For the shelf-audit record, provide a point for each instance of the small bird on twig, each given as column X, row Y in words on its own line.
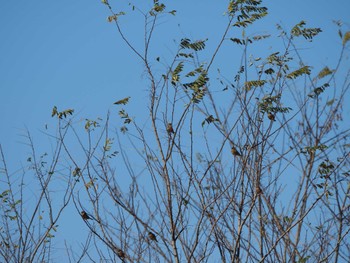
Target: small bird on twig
column 169, row 128
column 152, row 236
column 84, row 215
column 271, row 116
column 258, row 190
column 120, row 253
column 234, row 151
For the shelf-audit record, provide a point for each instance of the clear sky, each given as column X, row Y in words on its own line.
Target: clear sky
column 65, row 53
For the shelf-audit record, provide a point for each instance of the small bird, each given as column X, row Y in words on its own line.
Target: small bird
column 152, row 236
column 258, row 190
column 235, row 152
column 210, row 215
column 84, row 215
column 271, row 116
column 120, row 253
column 169, row 128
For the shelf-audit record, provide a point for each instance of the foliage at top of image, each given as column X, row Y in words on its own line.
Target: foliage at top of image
column 248, row 11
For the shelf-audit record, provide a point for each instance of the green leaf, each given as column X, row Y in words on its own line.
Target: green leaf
column 4, row 193
column 296, row 30
column 197, row 45
column 124, row 115
column 299, row 72
column 115, row 17
column 198, row 86
column 249, row 19
column 122, row 101
column 157, row 8
column 346, row 38
column 54, row 111
column 232, row 7
column 317, row 91
column 108, row 144
column 324, row 72
column 307, row 33
column 254, row 83
column 178, row 68
column 209, row 120
column 303, row 260
column 198, row 83
column 238, row 41
column 175, row 75
column 91, row 123
column 330, row 102
column 269, row 71
column 260, row 37
column 186, row 55
column 123, row 129
column 61, row 114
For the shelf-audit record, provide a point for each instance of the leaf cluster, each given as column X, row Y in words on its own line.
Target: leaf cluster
column 196, row 46
column 307, row 33
column 61, row 114
column 249, row 11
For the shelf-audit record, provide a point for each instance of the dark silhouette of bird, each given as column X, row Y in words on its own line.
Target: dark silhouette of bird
column 258, row 190
column 234, row 151
column 152, row 236
column 169, row 128
column 271, row 116
column 84, row 215
column 120, row 253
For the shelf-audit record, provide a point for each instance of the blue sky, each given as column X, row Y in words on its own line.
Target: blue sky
column 65, row 53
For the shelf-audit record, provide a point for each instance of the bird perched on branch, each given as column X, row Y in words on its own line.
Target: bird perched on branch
column 169, row 128
column 258, row 190
column 271, row 116
column 120, row 253
column 234, row 151
column 84, row 215
column 152, row 236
